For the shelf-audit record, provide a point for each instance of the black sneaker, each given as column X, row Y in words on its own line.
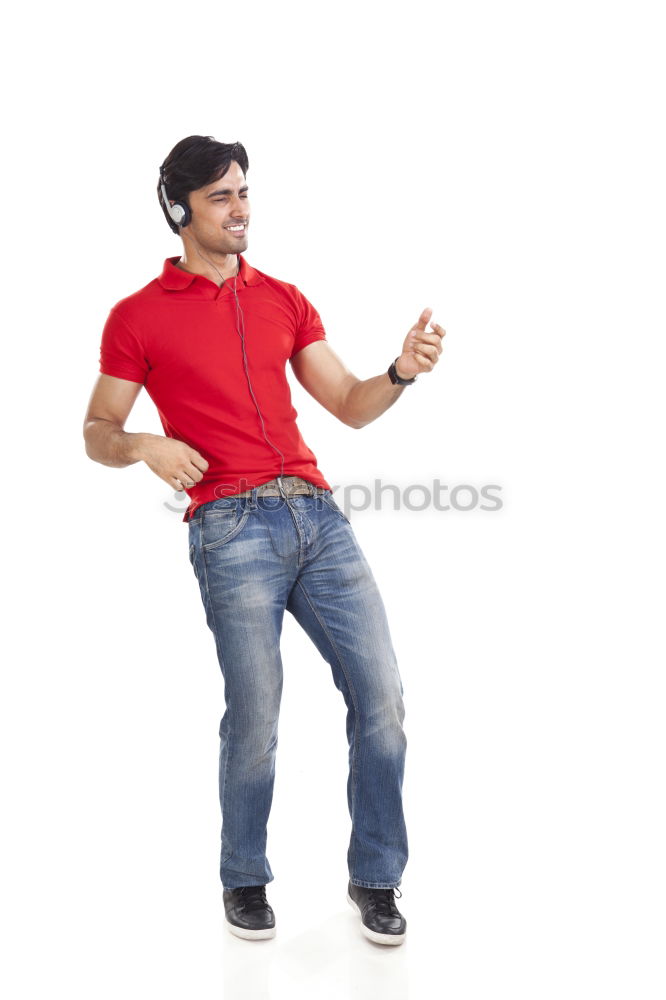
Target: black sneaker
column 381, row 921
column 248, row 913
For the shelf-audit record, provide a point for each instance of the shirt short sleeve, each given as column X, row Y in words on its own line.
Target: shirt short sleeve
column 121, row 353
column 310, row 326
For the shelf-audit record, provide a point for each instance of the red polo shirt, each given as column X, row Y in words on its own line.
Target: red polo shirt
column 177, row 336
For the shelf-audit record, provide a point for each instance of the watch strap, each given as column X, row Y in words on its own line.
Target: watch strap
column 395, row 378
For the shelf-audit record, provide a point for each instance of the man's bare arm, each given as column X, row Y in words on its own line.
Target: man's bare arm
column 357, row 402
column 110, row 404
column 107, row 442
column 111, row 445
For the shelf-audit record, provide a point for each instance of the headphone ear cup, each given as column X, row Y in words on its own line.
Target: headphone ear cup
column 180, row 213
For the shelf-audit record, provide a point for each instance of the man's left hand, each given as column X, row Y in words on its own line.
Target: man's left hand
column 421, row 349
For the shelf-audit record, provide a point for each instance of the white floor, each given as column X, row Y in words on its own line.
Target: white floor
column 318, row 954
column 472, row 935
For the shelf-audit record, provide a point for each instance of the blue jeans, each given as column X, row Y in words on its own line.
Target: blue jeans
column 253, row 557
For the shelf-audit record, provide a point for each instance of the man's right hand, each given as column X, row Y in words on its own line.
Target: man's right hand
column 173, row 461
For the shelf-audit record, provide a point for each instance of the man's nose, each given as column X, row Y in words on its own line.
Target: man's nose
column 239, row 208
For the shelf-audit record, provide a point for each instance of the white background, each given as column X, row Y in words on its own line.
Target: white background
column 503, row 164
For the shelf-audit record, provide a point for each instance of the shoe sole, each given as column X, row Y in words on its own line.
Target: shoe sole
column 248, row 934
column 375, row 935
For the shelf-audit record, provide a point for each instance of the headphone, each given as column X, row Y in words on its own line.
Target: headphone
column 179, row 211
column 182, row 216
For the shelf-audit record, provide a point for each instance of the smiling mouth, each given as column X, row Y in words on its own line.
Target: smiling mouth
column 237, row 230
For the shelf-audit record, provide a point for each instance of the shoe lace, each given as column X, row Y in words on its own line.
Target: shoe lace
column 253, row 897
column 384, row 901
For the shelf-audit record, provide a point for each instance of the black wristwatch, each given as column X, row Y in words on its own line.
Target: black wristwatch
column 395, row 378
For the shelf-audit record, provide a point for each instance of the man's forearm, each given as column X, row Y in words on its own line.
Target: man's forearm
column 369, row 398
column 109, row 444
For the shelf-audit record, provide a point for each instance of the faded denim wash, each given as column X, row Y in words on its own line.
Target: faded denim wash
column 254, row 557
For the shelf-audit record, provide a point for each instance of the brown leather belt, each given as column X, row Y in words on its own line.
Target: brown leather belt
column 293, row 486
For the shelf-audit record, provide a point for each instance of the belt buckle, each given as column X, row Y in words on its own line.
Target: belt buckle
column 263, row 490
column 296, row 487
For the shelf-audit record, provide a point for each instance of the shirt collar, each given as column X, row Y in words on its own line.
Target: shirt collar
column 175, row 279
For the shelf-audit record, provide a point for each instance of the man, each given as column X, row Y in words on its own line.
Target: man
column 210, row 338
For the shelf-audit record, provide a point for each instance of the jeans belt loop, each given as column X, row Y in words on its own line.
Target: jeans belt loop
column 281, row 487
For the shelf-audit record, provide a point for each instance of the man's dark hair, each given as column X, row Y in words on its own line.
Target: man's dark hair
column 195, row 162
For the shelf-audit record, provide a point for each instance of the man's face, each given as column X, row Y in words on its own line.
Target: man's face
column 216, row 208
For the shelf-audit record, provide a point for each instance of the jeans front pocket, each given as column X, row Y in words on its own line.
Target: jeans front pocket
column 219, row 526
column 193, row 529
